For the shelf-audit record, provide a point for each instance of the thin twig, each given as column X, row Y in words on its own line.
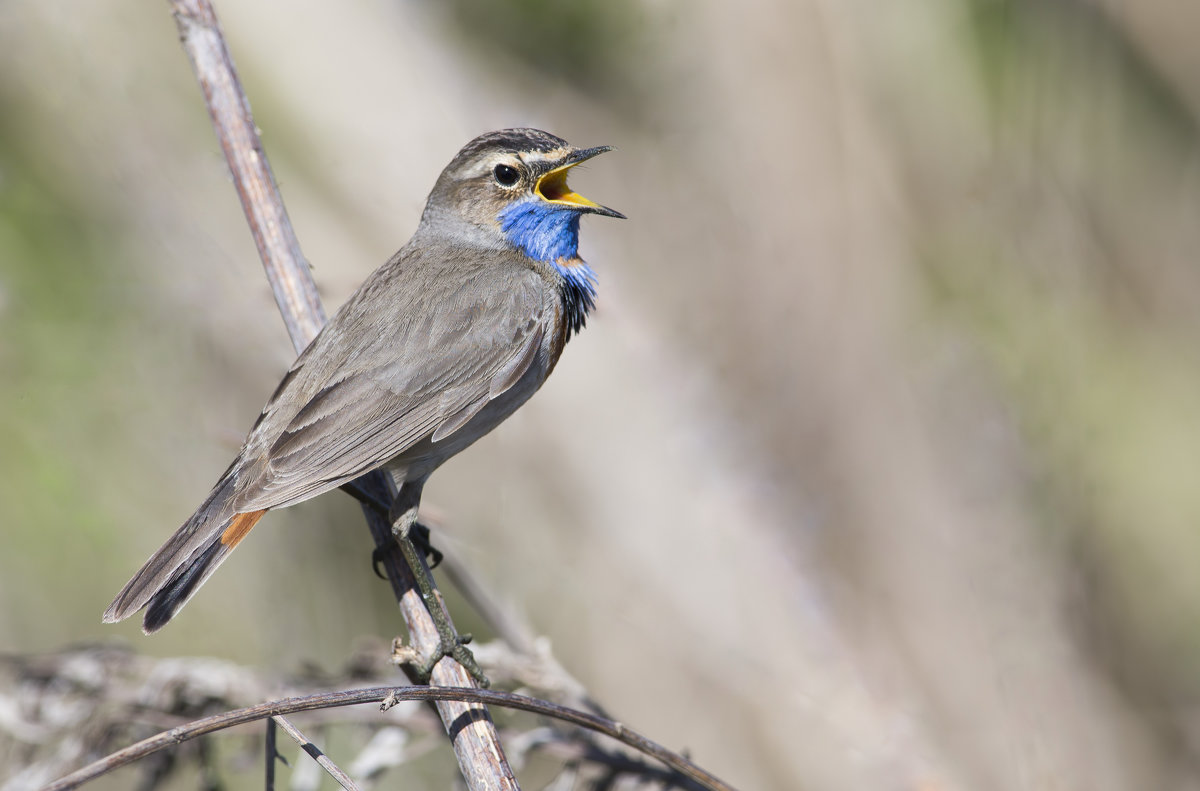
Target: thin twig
column 474, row 736
column 315, row 753
column 272, row 754
column 391, row 695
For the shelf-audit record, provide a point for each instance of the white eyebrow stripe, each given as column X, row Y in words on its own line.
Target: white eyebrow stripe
column 543, row 156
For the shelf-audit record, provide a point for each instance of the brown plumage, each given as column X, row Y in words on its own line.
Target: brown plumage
column 435, row 349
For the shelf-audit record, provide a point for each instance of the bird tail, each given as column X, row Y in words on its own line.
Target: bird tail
column 180, row 566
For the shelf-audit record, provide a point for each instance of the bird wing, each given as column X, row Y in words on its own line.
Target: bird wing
column 415, row 353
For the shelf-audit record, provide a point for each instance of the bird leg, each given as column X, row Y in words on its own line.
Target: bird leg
column 420, row 534
column 403, row 516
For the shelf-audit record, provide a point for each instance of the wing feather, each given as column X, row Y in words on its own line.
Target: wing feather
column 459, row 419
column 372, row 386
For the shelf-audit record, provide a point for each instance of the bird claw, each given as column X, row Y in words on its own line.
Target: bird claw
column 420, row 536
column 377, row 556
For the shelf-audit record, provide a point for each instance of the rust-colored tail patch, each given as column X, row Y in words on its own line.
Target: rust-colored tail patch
column 239, row 527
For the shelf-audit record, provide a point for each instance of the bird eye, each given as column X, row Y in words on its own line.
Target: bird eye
column 506, row 175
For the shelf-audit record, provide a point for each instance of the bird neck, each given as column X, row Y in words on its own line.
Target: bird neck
column 550, row 234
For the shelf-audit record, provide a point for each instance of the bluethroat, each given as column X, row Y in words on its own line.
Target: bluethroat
column 434, row 350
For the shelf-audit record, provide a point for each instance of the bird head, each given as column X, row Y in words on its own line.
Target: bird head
column 511, row 185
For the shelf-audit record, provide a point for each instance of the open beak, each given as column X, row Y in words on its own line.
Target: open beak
column 552, row 186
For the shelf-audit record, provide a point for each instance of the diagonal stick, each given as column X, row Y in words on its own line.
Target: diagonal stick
column 476, row 742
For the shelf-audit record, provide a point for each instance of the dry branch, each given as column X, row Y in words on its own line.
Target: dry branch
column 73, row 705
column 388, row 697
column 474, row 736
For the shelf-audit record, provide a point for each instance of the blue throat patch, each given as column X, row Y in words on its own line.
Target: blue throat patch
column 544, row 232
column 550, row 234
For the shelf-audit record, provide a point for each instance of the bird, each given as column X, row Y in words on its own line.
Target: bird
column 435, row 349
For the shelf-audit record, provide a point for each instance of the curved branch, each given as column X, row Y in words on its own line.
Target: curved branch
column 389, row 696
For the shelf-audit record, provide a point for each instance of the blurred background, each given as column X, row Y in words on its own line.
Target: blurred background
column 879, row 455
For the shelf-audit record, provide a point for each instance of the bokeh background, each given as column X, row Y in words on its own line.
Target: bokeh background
column 876, row 467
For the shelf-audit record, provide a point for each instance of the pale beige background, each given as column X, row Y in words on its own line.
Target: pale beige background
column 883, row 440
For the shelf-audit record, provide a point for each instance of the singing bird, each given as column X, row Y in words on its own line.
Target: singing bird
column 434, row 350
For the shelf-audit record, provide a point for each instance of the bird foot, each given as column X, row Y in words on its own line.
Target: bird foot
column 403, row 516
column 421, row 668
